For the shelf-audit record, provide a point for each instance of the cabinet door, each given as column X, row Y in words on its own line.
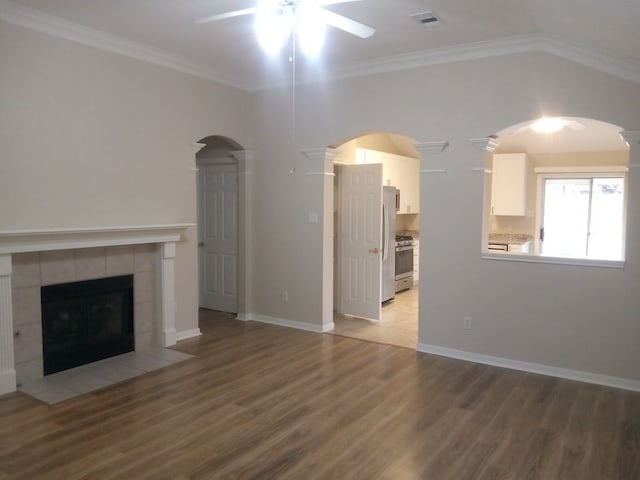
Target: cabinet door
column 410, row 185
column 509, row 184
column 400, row 172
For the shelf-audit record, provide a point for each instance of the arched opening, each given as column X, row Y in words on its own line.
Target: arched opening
column 220, row 213
column 376, row 202
column 556, row 188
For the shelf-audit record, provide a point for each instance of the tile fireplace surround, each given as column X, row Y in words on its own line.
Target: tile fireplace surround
column 30, row 259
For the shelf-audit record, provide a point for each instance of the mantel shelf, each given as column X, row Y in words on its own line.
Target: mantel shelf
column 20, row 241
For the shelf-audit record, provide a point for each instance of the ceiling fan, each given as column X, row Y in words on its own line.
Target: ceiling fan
column 277, row 20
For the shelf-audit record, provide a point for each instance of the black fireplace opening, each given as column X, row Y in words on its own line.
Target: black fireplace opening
column 83, row 322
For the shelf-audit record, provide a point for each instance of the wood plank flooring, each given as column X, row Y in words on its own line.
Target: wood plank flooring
column 261, row 402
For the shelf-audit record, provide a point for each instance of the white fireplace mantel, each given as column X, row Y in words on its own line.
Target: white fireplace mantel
column 22, row 241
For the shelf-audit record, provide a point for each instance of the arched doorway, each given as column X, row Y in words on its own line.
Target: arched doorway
column 556, row 188
column 394, row 161
column 219, row 214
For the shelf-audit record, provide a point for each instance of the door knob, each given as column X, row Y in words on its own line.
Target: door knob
column 374, row 250
column 201, row 244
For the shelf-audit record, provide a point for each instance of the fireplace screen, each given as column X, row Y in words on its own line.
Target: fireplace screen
column 83, row 322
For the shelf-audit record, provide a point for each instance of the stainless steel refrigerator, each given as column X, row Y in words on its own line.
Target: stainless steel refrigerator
column 388, row 243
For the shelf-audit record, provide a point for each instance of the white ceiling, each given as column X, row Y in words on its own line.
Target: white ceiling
column 604, row 32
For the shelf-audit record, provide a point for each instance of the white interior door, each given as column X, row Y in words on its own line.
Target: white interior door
column 218, row 232
column 361, row 240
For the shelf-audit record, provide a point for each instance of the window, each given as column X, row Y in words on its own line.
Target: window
column 582, row 215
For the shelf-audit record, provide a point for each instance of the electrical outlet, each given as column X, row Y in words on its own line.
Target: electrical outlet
column 285, row 296
column 466, row 323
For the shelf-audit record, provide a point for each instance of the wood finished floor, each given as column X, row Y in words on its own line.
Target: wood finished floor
column 260, row 401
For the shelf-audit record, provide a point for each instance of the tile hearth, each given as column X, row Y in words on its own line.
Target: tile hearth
column 94, row 376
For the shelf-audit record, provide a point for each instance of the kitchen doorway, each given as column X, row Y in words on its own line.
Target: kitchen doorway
column 397, row 323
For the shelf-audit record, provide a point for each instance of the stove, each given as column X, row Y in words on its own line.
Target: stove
column 404, row 262
column 404, row 240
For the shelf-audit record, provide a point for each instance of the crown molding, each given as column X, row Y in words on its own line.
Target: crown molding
column 590, row 57
column 435, row 56
column 431, row 147
column 58, row 27
column 551, row 44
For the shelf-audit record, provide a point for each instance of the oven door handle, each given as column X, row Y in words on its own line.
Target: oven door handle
column 404, row 248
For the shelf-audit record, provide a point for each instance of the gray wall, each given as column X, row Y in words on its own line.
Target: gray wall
column 578, row 318
column 89, row 138
column 78, row 125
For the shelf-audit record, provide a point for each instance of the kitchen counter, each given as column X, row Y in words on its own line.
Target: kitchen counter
column 510, row 238
column 510, row 242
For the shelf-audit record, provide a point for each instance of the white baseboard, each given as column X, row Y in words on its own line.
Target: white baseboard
column 7, row 382
column 282, row 322
column 194, row 332
column 327, row 327
column 598, row 379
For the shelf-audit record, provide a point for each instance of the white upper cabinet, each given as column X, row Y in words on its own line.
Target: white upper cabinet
column 509, row 184
column 398, row 171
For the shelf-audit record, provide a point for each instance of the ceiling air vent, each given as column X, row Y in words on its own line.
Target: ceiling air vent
column 428, row 19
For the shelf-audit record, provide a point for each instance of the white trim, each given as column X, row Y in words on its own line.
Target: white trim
column 584, row 169
column 576, row 262
column 18, row 241
column 282, row 322
column 551, row 44
column 632, row 137
column 431, row 147
column 21, row 241
column 540, row 42
column 197, row 146
column 185, row 334
column 7, row 360
column 580, row 53
column 58, row 27
column 581, row 376
column 328, row 174
column 7, row 381
column 5, row 265
column 487, row 144
column 168, row 336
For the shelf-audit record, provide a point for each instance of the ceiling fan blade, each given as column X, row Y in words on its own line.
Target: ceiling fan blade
column 348, row 25
column 222, row 16
column 322, row 3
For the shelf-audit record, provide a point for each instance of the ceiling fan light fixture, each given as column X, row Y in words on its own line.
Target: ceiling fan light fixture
column 311, row 31
column 273, row 27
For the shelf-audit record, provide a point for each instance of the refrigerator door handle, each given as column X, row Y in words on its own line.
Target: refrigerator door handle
column 385, row 232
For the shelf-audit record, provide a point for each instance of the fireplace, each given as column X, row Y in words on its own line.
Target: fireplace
column 83, row 322
column 32, row 259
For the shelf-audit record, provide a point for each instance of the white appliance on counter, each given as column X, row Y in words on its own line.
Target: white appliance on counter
column 388, row 243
